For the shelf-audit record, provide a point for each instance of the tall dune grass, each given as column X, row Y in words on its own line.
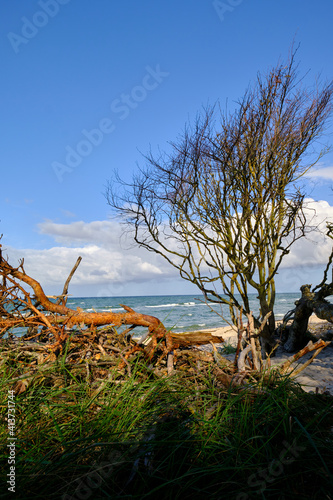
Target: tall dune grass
column 182, row 437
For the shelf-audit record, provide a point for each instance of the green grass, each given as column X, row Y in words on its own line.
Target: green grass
column 228, row 348
column 180, row 437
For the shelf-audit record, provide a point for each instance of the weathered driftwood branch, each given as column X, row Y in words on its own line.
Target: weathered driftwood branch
column 241, row 358
column 170, row 359
column 318, row 347
column 310, row 302
column 194, row 338
column 240, row 330
column 308, row 362
column 63, row 297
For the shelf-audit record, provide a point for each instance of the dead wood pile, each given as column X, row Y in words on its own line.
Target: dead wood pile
column 92, row 345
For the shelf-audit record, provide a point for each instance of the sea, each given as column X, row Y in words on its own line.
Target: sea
column 180, row 313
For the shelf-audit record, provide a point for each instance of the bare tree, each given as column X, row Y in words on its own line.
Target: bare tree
column 225, row 205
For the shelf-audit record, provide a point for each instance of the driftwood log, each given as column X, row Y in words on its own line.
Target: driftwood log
column 194, row 339
column 309, row 303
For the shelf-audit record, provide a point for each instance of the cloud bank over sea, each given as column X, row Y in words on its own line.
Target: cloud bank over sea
column 113, row 265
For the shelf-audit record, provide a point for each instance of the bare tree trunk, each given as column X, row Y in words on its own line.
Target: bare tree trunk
column 267, row 332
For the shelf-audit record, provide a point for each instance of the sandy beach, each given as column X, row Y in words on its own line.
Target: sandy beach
column 318, row 376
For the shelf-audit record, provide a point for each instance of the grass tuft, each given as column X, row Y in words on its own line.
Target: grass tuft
column 142, row 436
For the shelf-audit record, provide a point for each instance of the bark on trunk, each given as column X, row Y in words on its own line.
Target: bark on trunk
column 267, row 334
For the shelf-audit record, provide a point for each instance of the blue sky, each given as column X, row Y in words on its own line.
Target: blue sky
column 137, row 71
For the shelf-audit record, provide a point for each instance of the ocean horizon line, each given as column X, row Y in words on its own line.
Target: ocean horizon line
column 162, row 295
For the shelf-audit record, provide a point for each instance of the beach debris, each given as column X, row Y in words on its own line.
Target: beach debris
column 313, row 300
column 317, row 347
column 92, row 345
column 55, row 324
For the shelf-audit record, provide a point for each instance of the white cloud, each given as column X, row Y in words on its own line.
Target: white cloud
column 109, row 266
column 112, row 265
column 325, row 173
column 98, row 266
column 315, row 248
column 103, row 233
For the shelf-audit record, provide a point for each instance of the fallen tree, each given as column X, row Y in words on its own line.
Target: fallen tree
column 98, row 341
column 40, row 315
column 311, row 301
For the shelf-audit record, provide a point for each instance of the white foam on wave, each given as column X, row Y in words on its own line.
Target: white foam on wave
column 164, row 305
column 175, row 304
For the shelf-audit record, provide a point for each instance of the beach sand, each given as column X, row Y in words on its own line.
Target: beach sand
column 318, row 376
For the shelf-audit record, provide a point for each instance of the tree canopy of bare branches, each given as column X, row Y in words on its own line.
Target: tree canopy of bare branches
column 224, row 206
